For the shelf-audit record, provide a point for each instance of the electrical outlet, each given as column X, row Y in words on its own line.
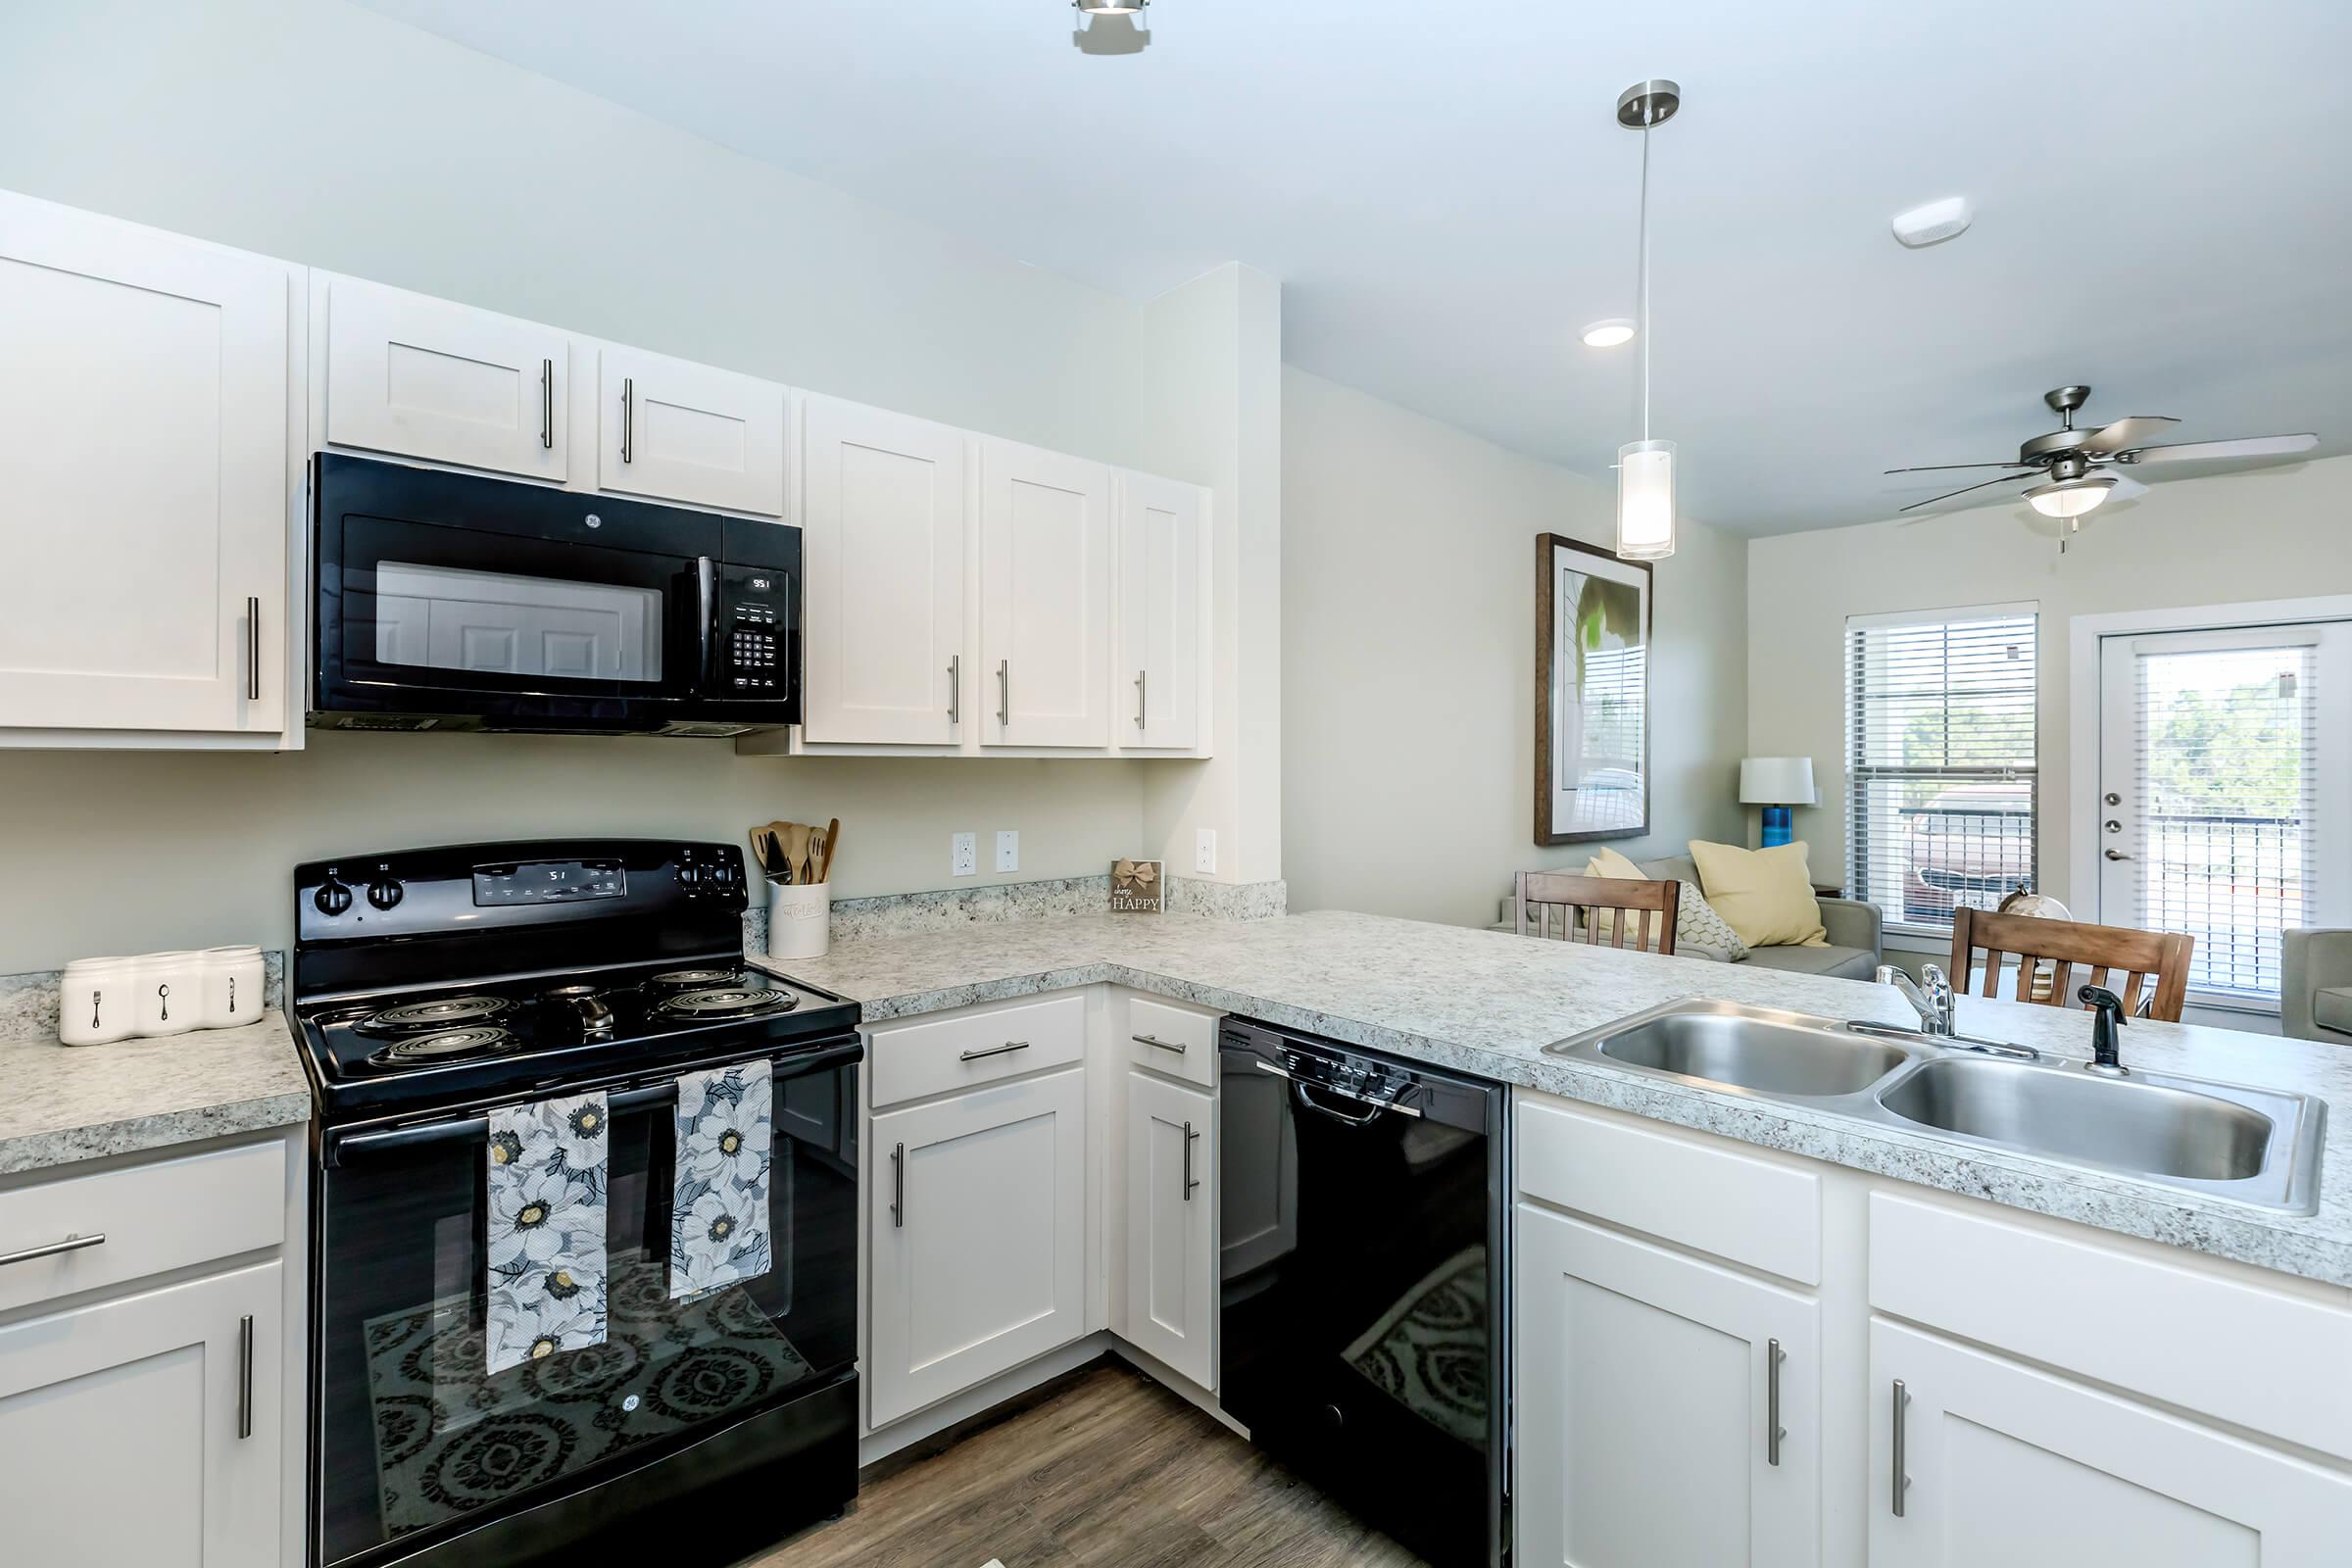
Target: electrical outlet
column 963, row 857
column 1008, row 848
column 1205, row 851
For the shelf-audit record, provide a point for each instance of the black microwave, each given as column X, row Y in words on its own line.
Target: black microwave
column 446, row 601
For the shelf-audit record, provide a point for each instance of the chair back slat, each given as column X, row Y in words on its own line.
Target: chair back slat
column 2158, row 958
column 1540, row 897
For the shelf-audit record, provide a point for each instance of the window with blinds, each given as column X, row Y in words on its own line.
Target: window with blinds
column 2225, row 760
column 1939, row 761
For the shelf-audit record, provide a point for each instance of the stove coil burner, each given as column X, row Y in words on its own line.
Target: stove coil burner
column 695, row 979
column 442, row 1012
column 727, row 1002
column 447, row 1045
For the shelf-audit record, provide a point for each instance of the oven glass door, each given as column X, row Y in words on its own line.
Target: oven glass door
column 415, row 1440
column 451, row 614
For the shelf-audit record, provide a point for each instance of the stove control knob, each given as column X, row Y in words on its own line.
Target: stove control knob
column 385, row 891
column 333, row 896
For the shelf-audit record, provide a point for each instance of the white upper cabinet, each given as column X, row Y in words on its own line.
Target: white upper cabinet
column 684, row 432
column 425, row 378
column 144, row 479
column 1158, row 675
column 1044, row 597
column 884, row 515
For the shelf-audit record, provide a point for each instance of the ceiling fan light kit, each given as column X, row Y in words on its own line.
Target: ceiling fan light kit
column 1644, row 467
column 1608, row 334
column 1935, row 222
column 1110, row 27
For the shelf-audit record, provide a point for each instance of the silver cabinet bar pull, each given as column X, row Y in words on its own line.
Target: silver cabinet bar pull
column 1005, row 693
column 1774, row 1432
column 1177, row 1046
column 547, row 405
column 954, row 688
column 994, row 1051
column 1140, row 703
column 1189, row 1182
column 1900, row 1482
column 245, row 1377
column 898, row 1187
column 253, row 647
column 628, row 418
column 71, row 1243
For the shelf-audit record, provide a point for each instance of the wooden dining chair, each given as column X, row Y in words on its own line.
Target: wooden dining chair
column 1544, row 899
column 2159, row 958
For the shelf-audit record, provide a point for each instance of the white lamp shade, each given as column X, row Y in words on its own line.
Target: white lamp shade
column 1646, row 500
column 1777, row 781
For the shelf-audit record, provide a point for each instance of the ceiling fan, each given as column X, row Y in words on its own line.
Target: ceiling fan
column 2079, row 469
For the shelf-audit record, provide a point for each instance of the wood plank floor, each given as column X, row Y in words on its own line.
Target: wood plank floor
column 1111, row 1470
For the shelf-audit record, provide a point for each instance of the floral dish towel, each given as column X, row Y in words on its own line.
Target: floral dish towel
column 719, row 1216
column 547, row 1270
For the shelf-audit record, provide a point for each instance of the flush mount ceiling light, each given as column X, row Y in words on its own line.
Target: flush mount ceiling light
column 1110, row 27
column 1608, row 334
column 1645, row 468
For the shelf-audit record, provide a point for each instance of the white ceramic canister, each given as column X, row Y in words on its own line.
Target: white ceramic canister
column 799, row 919
column 98, row 1002
column 170, row 989
column 232, row 986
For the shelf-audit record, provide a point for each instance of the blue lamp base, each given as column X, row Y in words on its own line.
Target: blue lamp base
column 1777, row 823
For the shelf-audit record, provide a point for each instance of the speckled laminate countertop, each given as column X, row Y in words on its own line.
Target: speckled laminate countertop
column 60, row 1104
column 1488, row 1003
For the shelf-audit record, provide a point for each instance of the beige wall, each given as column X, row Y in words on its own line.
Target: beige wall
column 1408, row 662
column 2278, row 533
column 327, row 134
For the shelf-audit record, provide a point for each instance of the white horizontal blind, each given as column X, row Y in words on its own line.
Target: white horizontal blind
column 1940, row 762
column 2225, row 754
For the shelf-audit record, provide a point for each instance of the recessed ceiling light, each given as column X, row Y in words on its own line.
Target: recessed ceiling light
column 1609, row 334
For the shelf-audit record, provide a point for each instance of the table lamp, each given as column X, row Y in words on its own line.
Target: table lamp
column 1777, row 783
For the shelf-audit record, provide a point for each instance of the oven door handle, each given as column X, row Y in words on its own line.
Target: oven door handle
column 339, row 1149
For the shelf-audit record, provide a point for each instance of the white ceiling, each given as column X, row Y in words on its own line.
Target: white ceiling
column 2163, row 191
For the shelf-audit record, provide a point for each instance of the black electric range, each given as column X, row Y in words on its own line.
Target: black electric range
column 431, row 987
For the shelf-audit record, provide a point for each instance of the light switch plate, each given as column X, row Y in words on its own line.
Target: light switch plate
column 1008, row 848
column 1205, row 851
column 963, row 857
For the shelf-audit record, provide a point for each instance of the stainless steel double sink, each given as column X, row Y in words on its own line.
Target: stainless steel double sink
column 2256, row 1146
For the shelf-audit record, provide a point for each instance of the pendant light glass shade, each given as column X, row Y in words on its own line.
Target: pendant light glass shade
column 1646, row 500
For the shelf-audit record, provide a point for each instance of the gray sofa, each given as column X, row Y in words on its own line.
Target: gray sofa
column 2316, row 1000
column 1854, row 930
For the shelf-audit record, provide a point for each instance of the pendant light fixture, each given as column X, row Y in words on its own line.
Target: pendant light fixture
column 1645, row 468
column 1112, row 27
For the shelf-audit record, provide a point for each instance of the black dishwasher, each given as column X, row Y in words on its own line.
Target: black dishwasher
column 1364, row 1280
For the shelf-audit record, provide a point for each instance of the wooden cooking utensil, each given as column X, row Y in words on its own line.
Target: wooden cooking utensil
column 796, row 850
column 763, row 850
column 824, row 872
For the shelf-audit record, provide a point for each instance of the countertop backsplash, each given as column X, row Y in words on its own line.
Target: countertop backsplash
column 904, row 915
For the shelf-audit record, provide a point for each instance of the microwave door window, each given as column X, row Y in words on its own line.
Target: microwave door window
column 500, row 623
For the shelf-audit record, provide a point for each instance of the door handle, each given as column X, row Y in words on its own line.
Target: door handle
column 245, row 1377
column 1005, row 693
column 705, row 604
column 1189, row 1182
column 628, row 418
column 994, row 1051
column 1139, row 702
column 547, row 405
column 954, row 688
column 898, row 1187
column 2117, row 855
column 1774, row 1432
column 71, row 1243
column 1899, row 1481
column 253, row 649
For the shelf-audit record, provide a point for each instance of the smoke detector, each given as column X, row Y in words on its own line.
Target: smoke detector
column 1935, row 222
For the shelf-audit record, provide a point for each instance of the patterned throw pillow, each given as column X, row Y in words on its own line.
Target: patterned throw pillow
column 1701, row 933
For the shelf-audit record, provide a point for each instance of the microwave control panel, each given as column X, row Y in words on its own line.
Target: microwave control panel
column 755, row 633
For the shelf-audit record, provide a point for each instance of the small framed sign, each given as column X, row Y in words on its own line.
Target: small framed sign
column 1138, row 887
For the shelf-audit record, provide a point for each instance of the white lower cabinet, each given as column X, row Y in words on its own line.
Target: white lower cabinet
column 2013, row 1466
column 1646, row 1387
column 1171, row 1261
column 147, row 1429
column 976, row 1206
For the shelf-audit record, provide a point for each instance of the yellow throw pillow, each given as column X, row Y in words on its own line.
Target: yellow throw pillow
column 1764, row 894
column 1608, row 863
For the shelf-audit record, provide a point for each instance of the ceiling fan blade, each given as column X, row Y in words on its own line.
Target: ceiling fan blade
column 1939, row 468
column 2252, row 446
column 2132, row 432
column 2002, row 478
